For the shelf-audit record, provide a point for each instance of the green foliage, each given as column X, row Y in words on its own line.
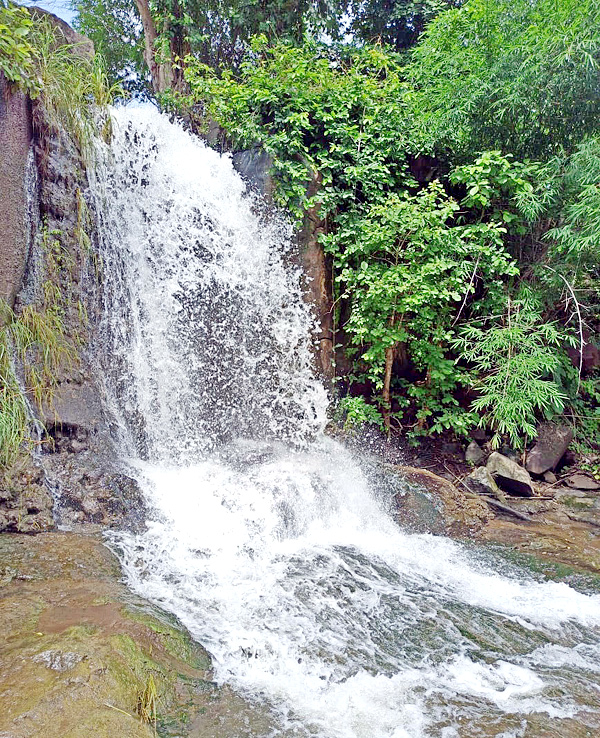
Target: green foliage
column 423, row 271
column 359, row 413
column 575, row 242
column 408, row 270
column 116, row 30
column 584, row 414
column 501, row 189
column 340, row 119
column 16, row 51
column 410, row 266
column 397, row 23
column 515, row 360
column 214, row 32
column 513, row 75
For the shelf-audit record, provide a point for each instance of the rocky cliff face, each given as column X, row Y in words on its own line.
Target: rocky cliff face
column 47, row 263
column 15, row 145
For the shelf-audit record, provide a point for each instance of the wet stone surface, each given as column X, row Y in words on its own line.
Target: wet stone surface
column 77, row 651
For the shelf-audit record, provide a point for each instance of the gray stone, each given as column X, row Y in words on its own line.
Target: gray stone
column 582, row 481
column 75, row 406
column 552, row 442
column 77, row 446
column 58, row 660
column 255, row 167
column 550, row 477
column 26, row 504
column 509, row 475
column 474, row 454
column 481, row 481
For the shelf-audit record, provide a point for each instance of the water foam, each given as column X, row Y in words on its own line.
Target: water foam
column 269, row 541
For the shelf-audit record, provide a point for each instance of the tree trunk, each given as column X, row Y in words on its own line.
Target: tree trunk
column 387, row 381
column 318, row 273
column 164, row 75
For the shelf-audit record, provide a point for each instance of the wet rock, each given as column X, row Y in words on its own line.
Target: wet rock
column 552, row 442
column 428, row 503
column 76, row 411
column 482, row 482
column 26, row 504
column 77, row 651
column 92, row 490
column 582, row 481
column 57, row 660
column 474, row 453
column 255, row 167
column 509, row 475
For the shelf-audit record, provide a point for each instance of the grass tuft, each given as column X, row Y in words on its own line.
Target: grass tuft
column 38, row 340
column 146, row 706
column 75, row 90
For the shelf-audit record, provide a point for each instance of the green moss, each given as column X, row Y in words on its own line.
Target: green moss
column 174, row 638
column 576, row 503
column 577, row 577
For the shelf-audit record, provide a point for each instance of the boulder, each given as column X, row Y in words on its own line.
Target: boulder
column 509, row 475
column 427, row 503
column 550, row 478
column 552, row 442
column 582, row 481
column 82, row 46
column 482, row 482
column 474, row 453
column 78, row 651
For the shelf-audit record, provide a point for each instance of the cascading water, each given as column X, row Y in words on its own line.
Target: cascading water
column 267, row 539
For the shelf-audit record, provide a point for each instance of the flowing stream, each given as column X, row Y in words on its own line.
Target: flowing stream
column 271, row 542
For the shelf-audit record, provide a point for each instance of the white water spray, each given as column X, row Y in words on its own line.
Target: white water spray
column 268, row 540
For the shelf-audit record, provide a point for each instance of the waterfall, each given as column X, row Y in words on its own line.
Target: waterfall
column 272, row 543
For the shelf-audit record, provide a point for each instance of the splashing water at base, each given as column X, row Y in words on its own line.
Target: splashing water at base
column 271, row 542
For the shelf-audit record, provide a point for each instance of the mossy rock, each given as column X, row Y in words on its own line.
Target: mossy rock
column 78, row 653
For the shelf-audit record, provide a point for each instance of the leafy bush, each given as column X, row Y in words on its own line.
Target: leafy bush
column 423, row 271
column 515, row 360
column 512, row 75
column 341, row 118
column 358, row 413
column 16, row 52
column 408, row 271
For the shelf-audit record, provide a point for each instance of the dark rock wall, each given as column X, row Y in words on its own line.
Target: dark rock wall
column 72, row 476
